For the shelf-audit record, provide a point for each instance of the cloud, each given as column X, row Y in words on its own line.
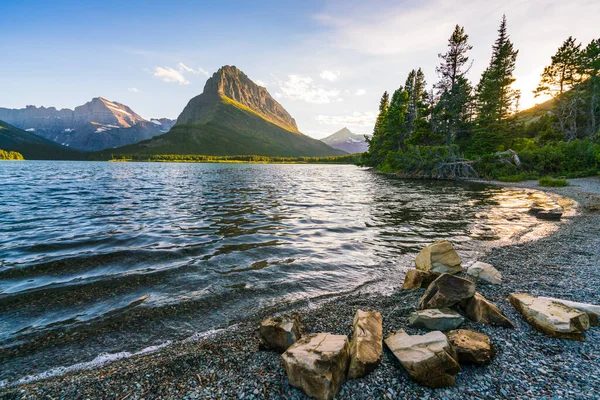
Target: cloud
column 177, row 75
column 301, row 87
column 357, row 119
column 185, row 68
column 360, row 92
column 134, row 90
column 170, row 75
column 260, row 83
column 330, row 75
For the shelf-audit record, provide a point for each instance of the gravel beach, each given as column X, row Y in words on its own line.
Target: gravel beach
column 528, row 364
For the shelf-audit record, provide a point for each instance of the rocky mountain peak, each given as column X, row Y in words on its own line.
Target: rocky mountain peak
column 231, row 82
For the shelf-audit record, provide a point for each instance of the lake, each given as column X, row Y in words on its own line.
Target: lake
column 116, row 257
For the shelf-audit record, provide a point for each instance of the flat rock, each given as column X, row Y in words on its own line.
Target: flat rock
column 471, row 347
column 416, row 279
column 279, row 333
column 366, row 344
column 439, row 257
column 551, row 317
column 429, row 359
column 592, row 310
column 434, row 319
column 446, row 291
column 554, row 214
column 485, row 272
column 479, row 309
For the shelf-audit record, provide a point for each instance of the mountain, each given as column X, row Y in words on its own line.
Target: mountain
column 96, row 125
column 233, row 116
column 347, row 141
column 164, row 124
column 34, row 147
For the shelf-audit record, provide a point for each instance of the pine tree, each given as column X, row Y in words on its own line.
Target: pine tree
column 494, row 96
column 396, row 118
column 453, row 112
column 591, row 69
column 376, row 153
column 559, row 80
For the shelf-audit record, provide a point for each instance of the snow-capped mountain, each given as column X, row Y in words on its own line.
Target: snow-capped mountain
column 96, row 125
column 345, row 140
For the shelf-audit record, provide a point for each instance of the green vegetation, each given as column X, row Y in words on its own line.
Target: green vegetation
column 33, row 147
column 548, row 181
column 10, row 155
column 461, row 130
column 227, row 128
column 194, row 158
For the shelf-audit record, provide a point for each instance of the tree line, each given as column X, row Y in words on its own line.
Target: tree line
column 10, row 155
column 466, row 121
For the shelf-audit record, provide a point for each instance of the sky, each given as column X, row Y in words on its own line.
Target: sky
column 326, row 62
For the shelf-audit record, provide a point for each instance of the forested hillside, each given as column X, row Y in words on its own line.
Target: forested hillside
column 461, row 129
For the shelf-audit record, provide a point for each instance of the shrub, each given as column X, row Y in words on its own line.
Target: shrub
column 550, row 182
column 520, row 177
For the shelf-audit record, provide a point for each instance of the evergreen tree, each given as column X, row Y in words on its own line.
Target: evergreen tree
column 376, row 153
column 417, row 100
column 591, row 69
column 453, row 112
column 559, row 80
column 396, row 118
column 494, row 96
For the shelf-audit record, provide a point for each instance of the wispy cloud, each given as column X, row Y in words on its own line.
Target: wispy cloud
column 169, row 74
column 301, row 87
column 360, row 92
column 358, row 119
column 134, row 90
column 185, row 68
column 260, row 83
column 330, row 75
column 177, row 75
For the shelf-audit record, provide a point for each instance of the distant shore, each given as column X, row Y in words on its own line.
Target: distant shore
column 228, row 364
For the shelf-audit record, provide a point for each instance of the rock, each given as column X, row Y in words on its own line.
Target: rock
column 279, row 333
column 366, row 344
column 486, row 272
column 479, row 309
column 553, row 215
column 550, row 317
column 416, row 279
column 439, row 257
column 435, row 319
column 446, row 291
column 471, row 347
column 592, row 310
column 429, row 359
column 317, row 364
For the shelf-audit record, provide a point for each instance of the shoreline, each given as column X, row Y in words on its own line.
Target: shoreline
column 228, row 363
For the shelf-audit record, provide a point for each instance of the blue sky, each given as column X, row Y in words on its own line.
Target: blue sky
column 327, row 62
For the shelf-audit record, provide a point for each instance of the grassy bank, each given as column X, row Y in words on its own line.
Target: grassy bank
column 197, row 158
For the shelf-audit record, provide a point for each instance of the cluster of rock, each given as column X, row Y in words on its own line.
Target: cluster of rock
column 319, row 363
column 541, row 212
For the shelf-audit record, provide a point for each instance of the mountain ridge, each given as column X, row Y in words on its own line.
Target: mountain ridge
column 98, row 124
column 34, row 147
column 346, row 140
column 250, row 122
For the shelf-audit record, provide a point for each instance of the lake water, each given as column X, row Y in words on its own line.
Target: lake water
column 110, row 257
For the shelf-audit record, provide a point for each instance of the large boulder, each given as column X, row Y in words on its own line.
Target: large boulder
column 479, row 309
column 485, row 272
column 434, row 319
column 366, row 344
column 429, row 359
column 439, row 257
column 592, row 310
column 551, row 317
column 279, row 333
column 554, row 214
column 446, row 291
column 317, row 364
column 416, row 279
column 471, row 347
